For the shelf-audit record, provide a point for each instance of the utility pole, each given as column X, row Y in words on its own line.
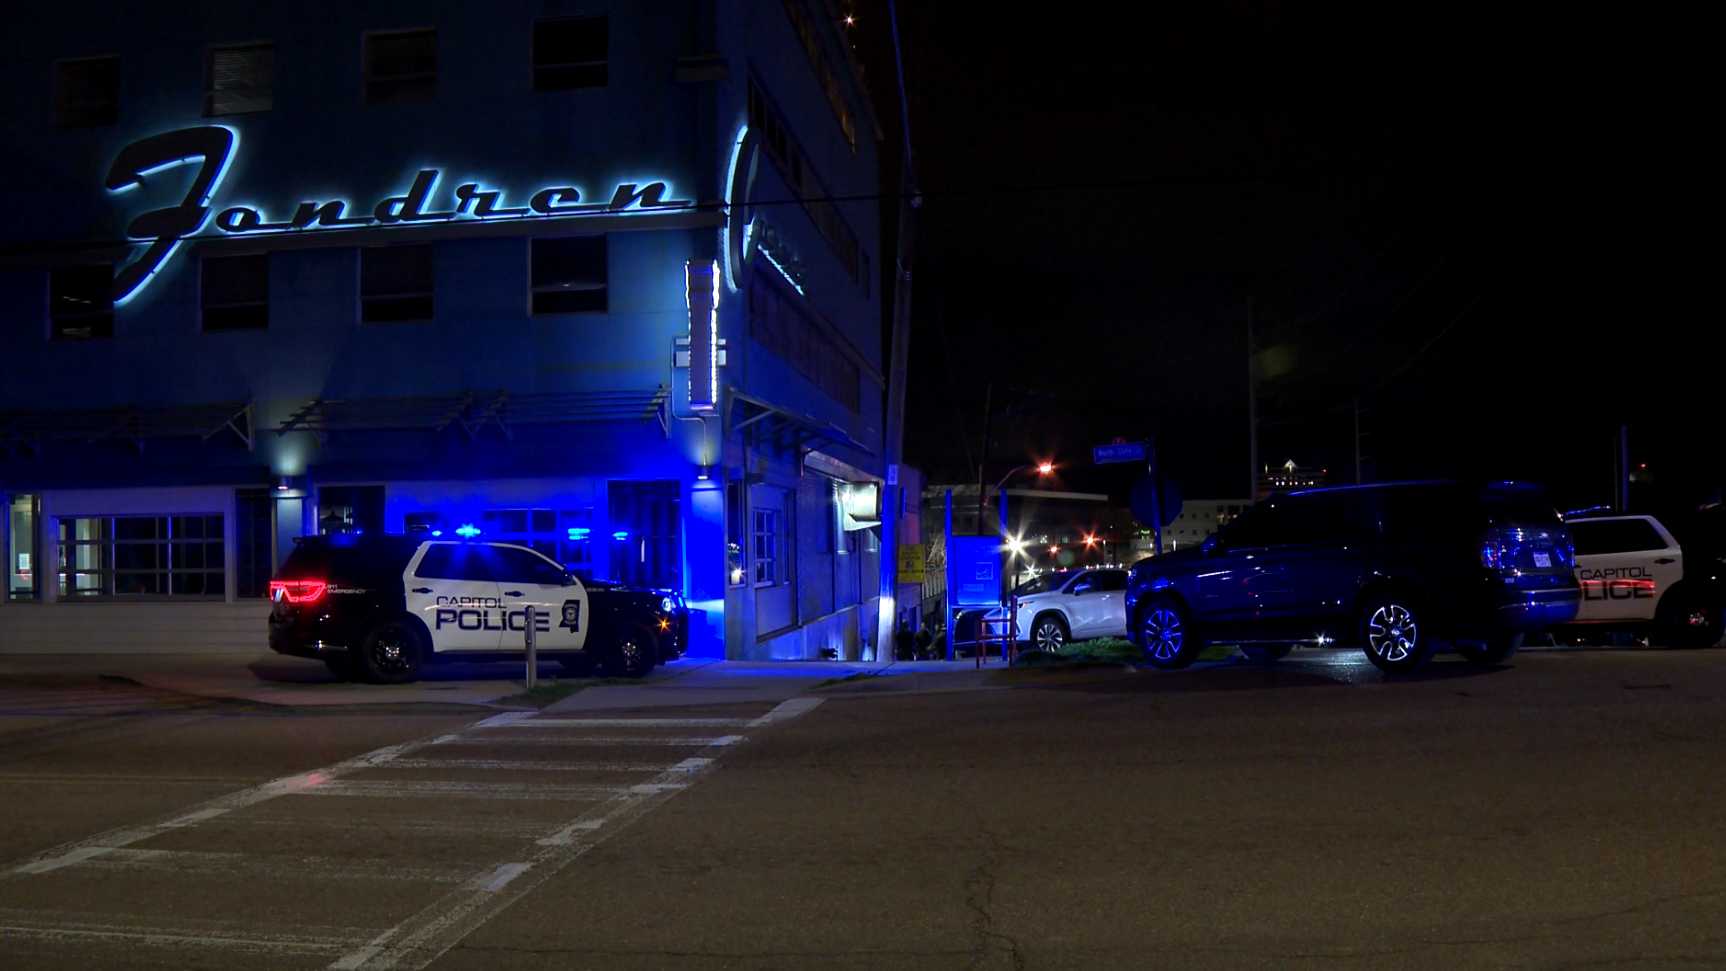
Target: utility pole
column 893, row 498
column 1252, row 412
column 983, row 456
column 1621, row 481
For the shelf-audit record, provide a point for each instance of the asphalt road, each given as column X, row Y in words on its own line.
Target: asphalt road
column 1564, row 811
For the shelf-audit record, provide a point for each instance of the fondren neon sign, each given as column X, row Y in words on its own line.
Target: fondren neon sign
column 214, row 147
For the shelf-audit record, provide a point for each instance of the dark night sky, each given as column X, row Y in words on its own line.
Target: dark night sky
column 1415, row 202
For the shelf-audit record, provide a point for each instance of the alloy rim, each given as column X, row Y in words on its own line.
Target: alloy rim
column 1049, row 636
column 390, row 651
column 1163, row 635
column 1391, row 632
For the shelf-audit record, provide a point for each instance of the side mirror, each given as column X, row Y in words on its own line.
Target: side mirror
column 1079, row 588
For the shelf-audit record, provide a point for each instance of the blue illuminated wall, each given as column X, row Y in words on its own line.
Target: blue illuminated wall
column 322, row 142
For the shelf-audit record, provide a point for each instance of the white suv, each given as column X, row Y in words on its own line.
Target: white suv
column 1078, row 605
column 1632, row 575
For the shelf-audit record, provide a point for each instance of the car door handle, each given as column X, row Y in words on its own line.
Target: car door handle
column 422, row 590
column 1665, row 560
column 512, row 593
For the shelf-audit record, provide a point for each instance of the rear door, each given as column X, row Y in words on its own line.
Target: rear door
column 526, row 578
column 1623, row 566
column 450, row 587
column 1105, row 607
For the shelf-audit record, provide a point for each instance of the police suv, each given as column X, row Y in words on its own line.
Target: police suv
column 1634, row 576
column 378, row 608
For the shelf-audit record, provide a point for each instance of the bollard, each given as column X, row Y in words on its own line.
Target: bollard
column 532, row 648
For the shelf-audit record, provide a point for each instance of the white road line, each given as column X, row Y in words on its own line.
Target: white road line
column 55, row 927
column 273, row 867
column 69, row 853
column 429, row 934
column 507, row 718
column 786, row 710
column 527, row 765
column 423, row 789
column 620, row 723
column 567, row 741
column 499, row 878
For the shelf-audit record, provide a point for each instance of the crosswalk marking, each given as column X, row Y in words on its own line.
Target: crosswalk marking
column 620, row 790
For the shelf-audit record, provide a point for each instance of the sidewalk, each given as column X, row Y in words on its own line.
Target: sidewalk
column 272, row 679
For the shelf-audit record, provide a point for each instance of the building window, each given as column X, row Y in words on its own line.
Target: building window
column 141, row 557
column 396, row 283
column 569, row 275
column 240, row 79
column 23, row 569
column 793, row 166
column 734, row 529
column 766, row 547
column 236, row 292
column 569, row 53
column 87, row 92
column 788, row 329
column 563, row 535
column 254, row 524
column 806, row 34
column 401, row 66
column 81, row 302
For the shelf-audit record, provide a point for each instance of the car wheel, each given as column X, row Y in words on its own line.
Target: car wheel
column 1494, row 650
column 391, row 654
column 1690, row 625
column 1266, row 653
column 1392, row 634
column 1166, row 635
column 633, row 656
column 1049, row 633
column 341, row 666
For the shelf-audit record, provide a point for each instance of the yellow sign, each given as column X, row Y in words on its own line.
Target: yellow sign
column 911, row 558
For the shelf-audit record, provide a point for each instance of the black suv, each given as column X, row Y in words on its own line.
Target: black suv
column 380, row 607
column 1391, row 567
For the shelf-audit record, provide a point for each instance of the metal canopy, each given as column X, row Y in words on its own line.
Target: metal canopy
column 28, row 429
column 472, row 411
column 776, row 423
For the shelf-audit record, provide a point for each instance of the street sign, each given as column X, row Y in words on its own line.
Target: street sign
column 911, row 559
column 1121, row 452
column 973, row 571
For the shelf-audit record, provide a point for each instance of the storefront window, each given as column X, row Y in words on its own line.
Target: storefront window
column 141, row 557
column 734, row 528
column 21, row 558
column 565, row 535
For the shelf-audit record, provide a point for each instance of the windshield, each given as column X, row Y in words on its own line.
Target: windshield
column 1047, row 583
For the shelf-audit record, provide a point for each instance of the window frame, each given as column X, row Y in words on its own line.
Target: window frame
column 55, row 331
column 430, row 295
column 204, row 305
column 168, row 543
column 770, row 559
column 534, row 66
column 368, row 77
column 57, row 87
column 535, row 288
column 210, row 52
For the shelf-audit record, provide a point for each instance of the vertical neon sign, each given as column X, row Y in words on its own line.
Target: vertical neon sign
column 701, row 297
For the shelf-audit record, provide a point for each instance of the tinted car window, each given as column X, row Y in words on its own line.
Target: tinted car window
column 1294, row 520
column 1614, row 536
column 1042, row 584
column 1109, row 580
column 347, row 561
column 453, row 561
column 520, row 566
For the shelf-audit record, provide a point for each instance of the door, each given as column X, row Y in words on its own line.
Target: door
column 1243, row 582
column 1099, row 604
column 526, row 578
column 450, row 587
column 1623, row 567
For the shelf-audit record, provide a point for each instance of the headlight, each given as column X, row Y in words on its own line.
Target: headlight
column 666, row 604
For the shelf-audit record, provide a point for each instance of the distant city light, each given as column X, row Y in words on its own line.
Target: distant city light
column 1015, row 546
column 1090, row 539
column 1044, row 468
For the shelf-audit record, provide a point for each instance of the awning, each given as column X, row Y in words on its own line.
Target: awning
column 27, row 429
column 775, row 423
column 472, row 411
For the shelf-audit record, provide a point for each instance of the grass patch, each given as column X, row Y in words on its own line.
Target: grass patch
column 1218, row 652
column 547, row 692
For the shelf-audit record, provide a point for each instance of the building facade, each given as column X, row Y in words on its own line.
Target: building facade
column 1199, row 520
column 602, row 278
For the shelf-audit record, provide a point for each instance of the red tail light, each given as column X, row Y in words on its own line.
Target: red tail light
column 298, row 591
